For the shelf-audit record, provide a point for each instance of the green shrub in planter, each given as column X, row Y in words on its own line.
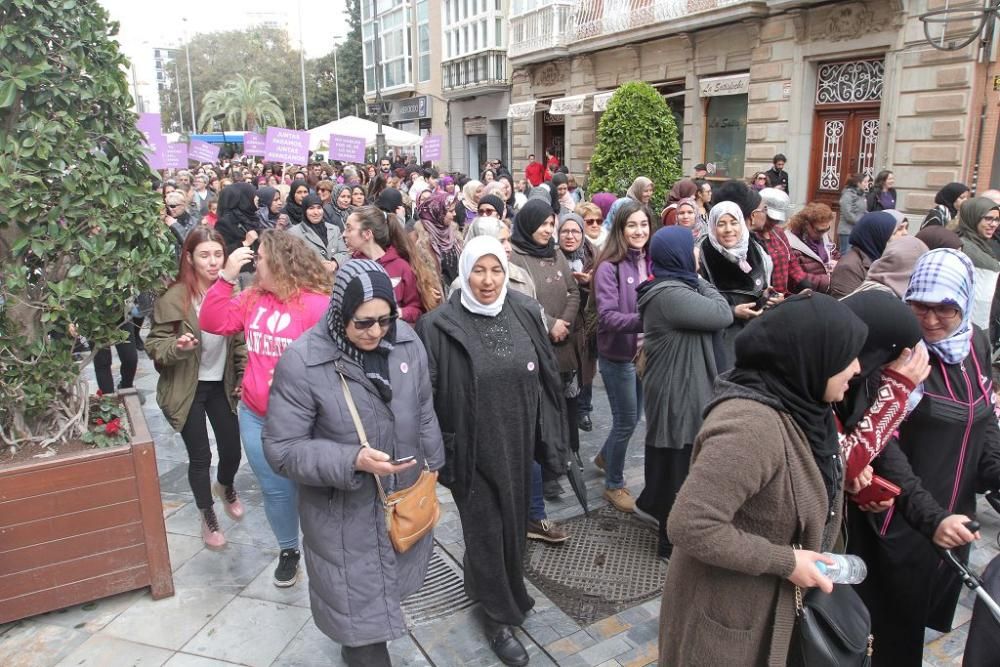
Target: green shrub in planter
column 637, row 136
column 79, row 225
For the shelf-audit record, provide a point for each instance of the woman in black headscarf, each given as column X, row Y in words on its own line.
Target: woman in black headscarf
column 892, row 365
column 268, row 207
column 948, row 201
column 238, row 222
column 293, row 205
column 868, row 240
column 765, row 475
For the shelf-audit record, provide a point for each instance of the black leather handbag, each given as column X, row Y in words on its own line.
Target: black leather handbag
column 831, row 630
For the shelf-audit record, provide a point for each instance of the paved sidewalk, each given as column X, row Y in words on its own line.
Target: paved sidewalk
column 227, row 611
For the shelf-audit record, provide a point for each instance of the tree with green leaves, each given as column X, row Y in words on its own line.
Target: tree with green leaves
column 348, row 69
column 79, row 221
column 244, row 104
column 637, row 136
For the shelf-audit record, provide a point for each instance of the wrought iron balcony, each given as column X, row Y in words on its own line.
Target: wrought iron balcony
column 542, row 32
column 595, row 19
column 475, row 74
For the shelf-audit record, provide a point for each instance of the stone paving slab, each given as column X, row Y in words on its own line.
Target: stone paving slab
column 226, row 611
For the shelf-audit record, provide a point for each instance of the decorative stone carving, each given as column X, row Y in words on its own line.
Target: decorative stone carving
column 549, row 74
column 840, row 22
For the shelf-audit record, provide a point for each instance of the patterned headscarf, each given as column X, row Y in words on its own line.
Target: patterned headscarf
column 946, row 276
column 359, row 281
column 434, row 213
column 738, row 253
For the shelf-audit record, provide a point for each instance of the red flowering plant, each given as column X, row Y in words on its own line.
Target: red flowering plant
column 106, row 427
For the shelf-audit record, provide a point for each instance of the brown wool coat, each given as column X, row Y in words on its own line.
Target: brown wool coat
column 557, row 291
column 727, row 600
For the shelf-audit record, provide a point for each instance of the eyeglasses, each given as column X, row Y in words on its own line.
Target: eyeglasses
column 489, row 212
column 942, row 310
column 382, row 322
column 175, row 205
column 991, row 219
column 570, row 232
column 593, row 221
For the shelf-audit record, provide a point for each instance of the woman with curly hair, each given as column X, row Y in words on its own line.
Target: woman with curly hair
column 808, row 235
column 289, row 295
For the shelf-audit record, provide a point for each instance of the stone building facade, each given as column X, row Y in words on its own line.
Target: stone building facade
column 837, row 87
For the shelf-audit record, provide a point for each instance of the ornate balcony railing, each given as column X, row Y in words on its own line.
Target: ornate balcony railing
column 476, row 71
column 600, row 18
column 544, row 28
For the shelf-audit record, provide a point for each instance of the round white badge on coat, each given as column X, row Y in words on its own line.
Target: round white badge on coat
column 630, row 280
column 531, row 365
column 404, row 367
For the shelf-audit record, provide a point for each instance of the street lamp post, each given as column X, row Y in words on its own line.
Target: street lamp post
column 180, row 108
column 302, row 67
column 187, row 54
column 336, row 76
column 376, row 34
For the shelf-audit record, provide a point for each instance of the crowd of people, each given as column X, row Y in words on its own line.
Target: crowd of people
column 781, row 360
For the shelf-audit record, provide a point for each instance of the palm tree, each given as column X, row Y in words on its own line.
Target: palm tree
column 246, row 104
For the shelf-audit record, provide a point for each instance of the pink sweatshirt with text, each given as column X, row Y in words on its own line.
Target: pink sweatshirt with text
column 269, row 326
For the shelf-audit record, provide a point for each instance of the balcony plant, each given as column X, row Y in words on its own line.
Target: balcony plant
column 79, row 235
column 637, row 136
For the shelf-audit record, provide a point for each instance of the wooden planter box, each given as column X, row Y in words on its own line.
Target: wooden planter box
column 83, row 526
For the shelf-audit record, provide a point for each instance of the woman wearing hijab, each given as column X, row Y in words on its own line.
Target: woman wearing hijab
column 740, row 269
column 681, row 312
column 892, row 365
column 339, row 208
column 535, row 250
column 641, row 191
column 438, row 242
column 297, row 192
column 868, row 240
column 356, row 579
column 682, row 189
column 891, row 272
column 946, row 450
column 467, row 206
column 977, row 225
column 238, row 221
column 498, row 397
column 322, row 237
column 765, row 475
column 947, row 204
column 609, row 217
column 580, row 255
column 562, row 199
column 938, row 237
column 518, row 279
column 603, row 201
column 268, row 207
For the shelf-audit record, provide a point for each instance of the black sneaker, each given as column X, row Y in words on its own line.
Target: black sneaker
column 287, row 572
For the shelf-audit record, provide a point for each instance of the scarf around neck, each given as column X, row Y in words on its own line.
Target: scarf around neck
column 946, row 276
column 738, row 253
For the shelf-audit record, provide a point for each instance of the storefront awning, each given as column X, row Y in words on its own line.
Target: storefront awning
column 601, row 100
column 567, row 105
column 522, row 110
column 716, row 86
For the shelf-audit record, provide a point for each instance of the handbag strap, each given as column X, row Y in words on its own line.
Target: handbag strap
column 353, row 409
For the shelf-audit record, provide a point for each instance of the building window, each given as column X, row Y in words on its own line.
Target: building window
column 726, row 135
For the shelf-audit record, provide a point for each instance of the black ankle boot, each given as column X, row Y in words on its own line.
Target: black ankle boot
column 507, row 647
column 370, row 655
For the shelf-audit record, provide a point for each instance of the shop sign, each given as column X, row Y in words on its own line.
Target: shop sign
column 413, row 108
column 736, row 84
column 522, row 110
column 567, row 105
column 472, row 126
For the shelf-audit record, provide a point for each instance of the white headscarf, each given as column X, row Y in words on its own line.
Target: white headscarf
column 473, row 251
column 738, row 253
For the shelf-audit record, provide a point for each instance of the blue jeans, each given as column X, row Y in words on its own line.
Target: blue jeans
column 844, row 245
column 279, row 492
column 536, row 507
column 625, row 397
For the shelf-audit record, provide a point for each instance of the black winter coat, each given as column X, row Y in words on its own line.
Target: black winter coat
column 454, row 386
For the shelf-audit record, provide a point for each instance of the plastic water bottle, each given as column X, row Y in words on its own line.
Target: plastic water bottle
column 845, row 569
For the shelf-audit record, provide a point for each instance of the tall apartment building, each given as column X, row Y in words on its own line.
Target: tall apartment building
column 408, row 65
column 838, row 87
column 475, row 78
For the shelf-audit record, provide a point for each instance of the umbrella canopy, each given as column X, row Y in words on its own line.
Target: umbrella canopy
column 352, row 126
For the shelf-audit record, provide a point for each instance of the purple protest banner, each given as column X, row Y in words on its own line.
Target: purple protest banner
column 177, row 156
column 431, row 148
column 149, row 123
column 284, row 145
column 202, row 151
column 347, row 149
column 156, row 151
column 253, row 144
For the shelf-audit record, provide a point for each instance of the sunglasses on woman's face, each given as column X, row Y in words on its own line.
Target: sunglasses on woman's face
column 382, row 322
column 593, row 221
column 488, row 211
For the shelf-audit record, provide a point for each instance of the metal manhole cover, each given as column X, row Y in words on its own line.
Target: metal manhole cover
column 442, row 594
column 608, row 565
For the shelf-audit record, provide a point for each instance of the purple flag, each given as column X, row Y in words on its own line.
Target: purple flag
column 431, row 148
column 284, row 145
column 177, row 156
column 253, row 144
column 347, row 149
column 202, row 151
